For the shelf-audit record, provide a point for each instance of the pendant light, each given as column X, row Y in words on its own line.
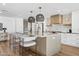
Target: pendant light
column 40, row 16
column 31, row 19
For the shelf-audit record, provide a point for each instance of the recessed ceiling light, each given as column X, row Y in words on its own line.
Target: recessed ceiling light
column 3, row 4
column 0, row 12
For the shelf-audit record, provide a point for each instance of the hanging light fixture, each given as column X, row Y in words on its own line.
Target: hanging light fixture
column 31, row 19
column 40, row 17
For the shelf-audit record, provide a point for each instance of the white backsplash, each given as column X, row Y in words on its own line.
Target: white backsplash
column 59, row 27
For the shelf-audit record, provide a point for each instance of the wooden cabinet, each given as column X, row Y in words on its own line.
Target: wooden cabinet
column 56, row 19
column 60, row 19
column 49, row 21
column 49, row 45
column 67, row 19
column 40, row 47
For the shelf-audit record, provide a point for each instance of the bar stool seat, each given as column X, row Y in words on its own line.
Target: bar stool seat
column 28, row 44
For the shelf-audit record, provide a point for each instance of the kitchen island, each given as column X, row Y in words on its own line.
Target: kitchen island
column 49, row 44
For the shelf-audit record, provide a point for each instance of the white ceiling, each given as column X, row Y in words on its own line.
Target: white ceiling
column 23, row 9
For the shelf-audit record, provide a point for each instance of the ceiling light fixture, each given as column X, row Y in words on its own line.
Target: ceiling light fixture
column 0, row 12
column 3, row 4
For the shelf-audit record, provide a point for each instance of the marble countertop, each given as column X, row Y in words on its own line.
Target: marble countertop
column 45, row 34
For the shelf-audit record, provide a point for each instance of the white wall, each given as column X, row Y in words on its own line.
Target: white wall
column 19, row 25
column 75, row 22
column 10, row 24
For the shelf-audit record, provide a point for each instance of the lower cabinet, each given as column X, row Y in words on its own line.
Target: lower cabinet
column 49, row 45
column 40, row 47
column 53, row 44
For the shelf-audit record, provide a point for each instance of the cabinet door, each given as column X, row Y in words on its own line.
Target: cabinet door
column 67, row 19
column 56, row 19
column 61, row 19
column 40, row 46
column 49, row 22
column 53, row 44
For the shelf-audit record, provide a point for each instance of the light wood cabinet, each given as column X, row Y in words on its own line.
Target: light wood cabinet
column 60, row 19
column 67, row 19
column 40, row 47
column 56, row 19
column 49, row 21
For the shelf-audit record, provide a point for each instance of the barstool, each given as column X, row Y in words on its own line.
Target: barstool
column 14, row 43
column 26, row 44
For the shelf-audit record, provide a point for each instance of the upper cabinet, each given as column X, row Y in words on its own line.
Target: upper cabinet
column 56, row 19
column 67, row 19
